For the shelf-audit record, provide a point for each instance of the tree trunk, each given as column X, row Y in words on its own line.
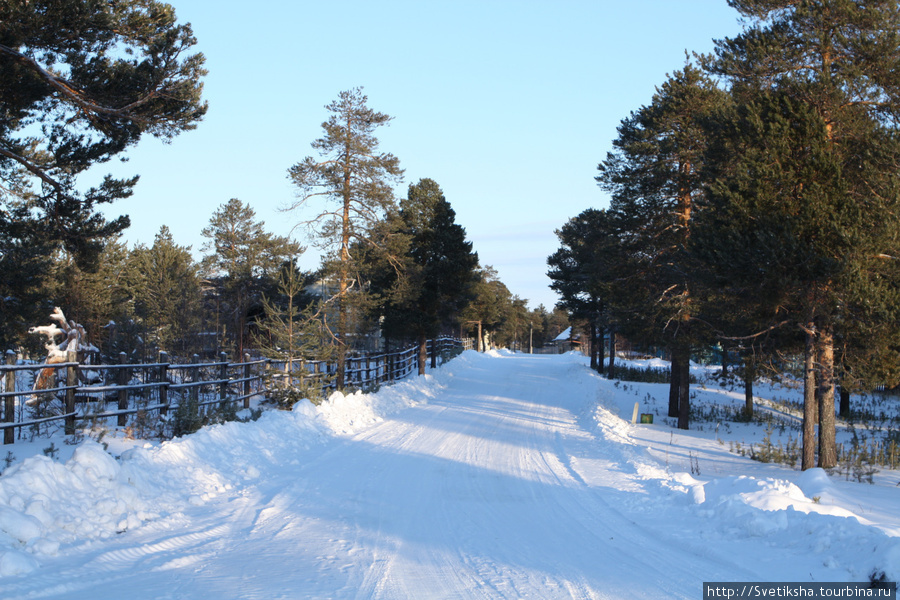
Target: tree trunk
column 600, row 351
column 612, row 355
column 674, row 385
column 845, row 402
column 684, row 392
column 827, row 434
column 340, row 367
column 344, row 271
column 423, row 352
column 748, row 391
column 808, row 458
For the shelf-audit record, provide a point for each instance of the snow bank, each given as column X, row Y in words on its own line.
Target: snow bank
column 780, row 512
column 344, row 414
column 46, row 505
column 808, row 516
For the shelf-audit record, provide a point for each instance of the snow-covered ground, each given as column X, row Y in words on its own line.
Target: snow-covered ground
column 496, row 476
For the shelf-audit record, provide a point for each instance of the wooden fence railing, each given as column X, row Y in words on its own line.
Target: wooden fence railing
column 81, row 392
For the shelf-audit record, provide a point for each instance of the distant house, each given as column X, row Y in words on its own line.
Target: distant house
column 565, row 341
column 565, row 336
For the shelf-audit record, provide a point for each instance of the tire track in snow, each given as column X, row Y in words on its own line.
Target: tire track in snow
column 480, row 492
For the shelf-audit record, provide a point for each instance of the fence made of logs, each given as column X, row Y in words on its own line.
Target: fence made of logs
column 89, row 393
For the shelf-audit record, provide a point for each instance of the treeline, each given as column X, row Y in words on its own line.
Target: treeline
column 249, row 292
column 755, row 207
column 82, row 82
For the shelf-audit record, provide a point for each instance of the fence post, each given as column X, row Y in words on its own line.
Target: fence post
column 9, row 404
column 223, row 375
column 302, row 372
column 194, row 392
column 316, row 379
column 71, row 382
column 164, row 378
column 368, row 369
column 246, row 381
column 123, row 378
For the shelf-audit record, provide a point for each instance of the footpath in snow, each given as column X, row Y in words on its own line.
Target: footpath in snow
column 497, row 476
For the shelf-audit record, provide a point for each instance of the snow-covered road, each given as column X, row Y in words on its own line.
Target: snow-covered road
column 496, row 483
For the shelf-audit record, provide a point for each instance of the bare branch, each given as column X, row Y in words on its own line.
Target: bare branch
column 62, row 86
column 32, row 168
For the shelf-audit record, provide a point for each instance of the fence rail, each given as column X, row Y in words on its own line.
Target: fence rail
column 75, row 392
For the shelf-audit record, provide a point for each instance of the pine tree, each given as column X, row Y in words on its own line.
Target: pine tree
column 164, row 286
column 581, row 269
column 514, row 325
column 290, row 331
column 355, row 179
column 80, row 82
column 243, row 260
column 91, row 297
column 654, row 178
column 812, row 173
column 440, row 272
column 490, row 304
column 25, row 268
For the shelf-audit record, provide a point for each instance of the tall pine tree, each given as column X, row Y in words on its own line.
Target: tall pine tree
column 80, row 83
column 810, row 170
column 356, row 181
column 243, row 260
column 581, row 272
column 654, row 178
column 164, row 286
column 437, row 281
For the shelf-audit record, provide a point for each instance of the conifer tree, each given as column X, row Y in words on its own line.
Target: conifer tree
column 290, row 331
column 441, row 269
column 581, row 272
column 809, row 171
column 514, row 325
column 92, row 297
column 80, row 82
column 164, row 286
column 654, row 178
column 243, row 259
column 25, row 264
column 355, row 179
column 490, row 304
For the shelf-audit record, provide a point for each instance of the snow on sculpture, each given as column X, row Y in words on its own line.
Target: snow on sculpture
column 75, row 341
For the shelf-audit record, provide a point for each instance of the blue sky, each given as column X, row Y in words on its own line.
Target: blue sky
column 509, row 106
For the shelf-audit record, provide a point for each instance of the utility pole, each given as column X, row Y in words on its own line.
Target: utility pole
column 480, row 346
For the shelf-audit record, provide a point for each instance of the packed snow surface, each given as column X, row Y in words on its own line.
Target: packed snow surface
column 497, row 476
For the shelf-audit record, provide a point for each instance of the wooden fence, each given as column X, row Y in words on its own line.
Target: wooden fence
column 79, row 392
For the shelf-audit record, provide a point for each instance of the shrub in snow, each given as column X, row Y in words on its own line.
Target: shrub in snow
column 187, row 417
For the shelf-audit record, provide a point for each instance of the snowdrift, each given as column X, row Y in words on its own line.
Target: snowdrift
column 48, row 507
